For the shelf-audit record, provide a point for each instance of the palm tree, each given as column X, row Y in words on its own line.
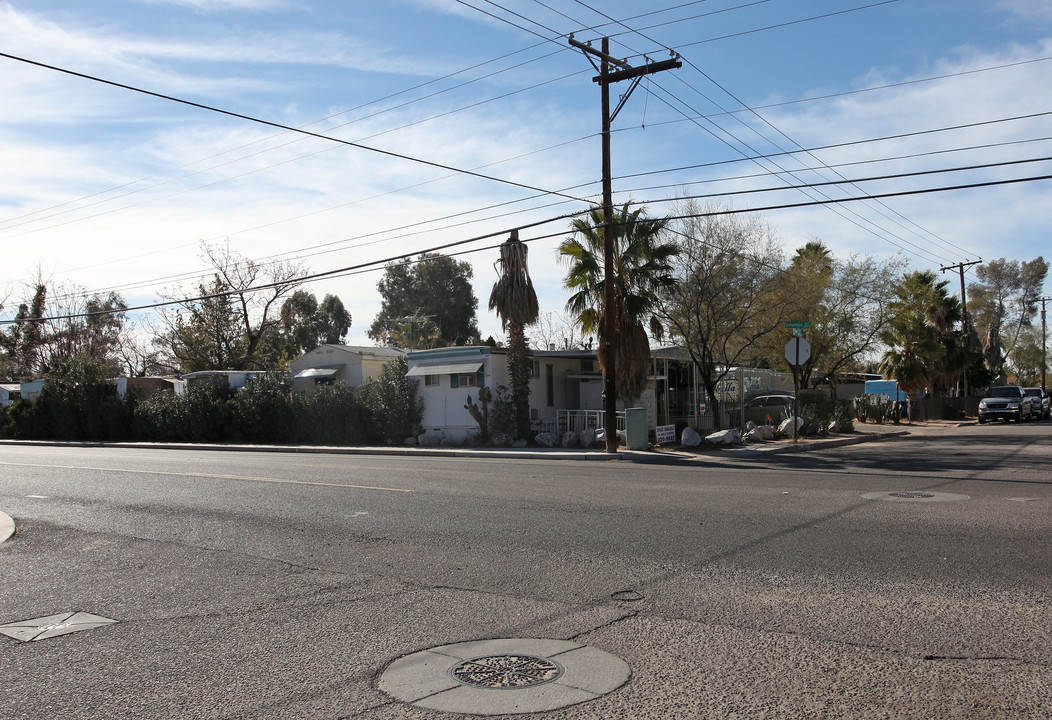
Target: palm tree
column 515, row 302
column 925, row 350
column 642, row 271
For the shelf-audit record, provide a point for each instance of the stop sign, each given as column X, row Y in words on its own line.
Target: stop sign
column 798, row 351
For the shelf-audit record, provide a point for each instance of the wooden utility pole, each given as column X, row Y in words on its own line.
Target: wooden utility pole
column 605, row 78
column 964, row 310
column 1044, row 344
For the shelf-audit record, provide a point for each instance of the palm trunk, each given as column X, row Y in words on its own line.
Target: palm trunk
column 519, row 369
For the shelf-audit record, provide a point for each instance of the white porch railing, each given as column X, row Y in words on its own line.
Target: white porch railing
column 578, row 420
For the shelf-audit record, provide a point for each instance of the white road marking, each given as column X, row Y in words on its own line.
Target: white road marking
column 213, row 476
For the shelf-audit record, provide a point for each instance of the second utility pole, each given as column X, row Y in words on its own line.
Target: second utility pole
column 610, row 310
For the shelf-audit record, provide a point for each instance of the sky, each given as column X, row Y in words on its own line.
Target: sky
column 108, row 189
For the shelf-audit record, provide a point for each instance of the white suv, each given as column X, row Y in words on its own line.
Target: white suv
column 1006, row 402
column 1041, row 401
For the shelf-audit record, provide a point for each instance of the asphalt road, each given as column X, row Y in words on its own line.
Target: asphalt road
column 251, row 585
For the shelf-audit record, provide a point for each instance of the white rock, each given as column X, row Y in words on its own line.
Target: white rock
column 690, row 437
column 587, row 438
column 546, row 439
column 410, row 441
column 786, row 428
column 724, row 437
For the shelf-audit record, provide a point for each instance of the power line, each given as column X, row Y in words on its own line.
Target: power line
column 766, row 122
column 230, row 113
column 315, row 122
column 350, row 269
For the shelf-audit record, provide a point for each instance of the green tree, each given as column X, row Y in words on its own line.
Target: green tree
column 1003, row 303
column 435, row 287
column 515, row 302
column 731, row 295
column 848, row 305
column 1026, row 358
column 925, row 349
column 23, row 341
column 237, row 328
column 305, row 324
column 642, row 273
column 206, row 334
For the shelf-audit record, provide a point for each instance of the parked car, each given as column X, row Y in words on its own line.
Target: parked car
column 1041, row 401
column 1006, row 402
column 769, row 409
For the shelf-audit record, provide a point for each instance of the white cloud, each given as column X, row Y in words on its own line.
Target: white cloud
column 1028, row 10
column 220, row 5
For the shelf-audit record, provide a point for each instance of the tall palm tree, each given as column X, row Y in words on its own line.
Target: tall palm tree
column 925, row 350
column 642, row 271
column 515, row 302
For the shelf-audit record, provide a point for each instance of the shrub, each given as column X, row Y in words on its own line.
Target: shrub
column 395, row 409
column 329, row 415
column 198, row 415
column 261, row 411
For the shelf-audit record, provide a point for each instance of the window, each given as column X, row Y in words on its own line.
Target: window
column 549, row 384
column 535, row 369
column 431, row 381
column 467, row 380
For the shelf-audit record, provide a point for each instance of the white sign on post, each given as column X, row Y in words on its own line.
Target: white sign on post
column 797, row 351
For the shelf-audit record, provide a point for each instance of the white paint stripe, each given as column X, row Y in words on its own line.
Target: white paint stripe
column 212, row 476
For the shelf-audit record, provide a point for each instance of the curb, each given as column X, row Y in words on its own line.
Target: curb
column 7, row 527
column 651, row 457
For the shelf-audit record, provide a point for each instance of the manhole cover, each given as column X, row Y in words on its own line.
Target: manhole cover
column 914, row 496
column 532, row 674
column 506, row 671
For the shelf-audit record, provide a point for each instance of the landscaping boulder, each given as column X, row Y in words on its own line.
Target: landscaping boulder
column 786, row 428
column 587, row 438
column 546, row 439
column 428, row 440
column 724, row 437
column 569, row 439
column 690, row 437
column 410, row 441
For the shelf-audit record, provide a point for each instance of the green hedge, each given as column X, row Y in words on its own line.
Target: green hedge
column 80, row 406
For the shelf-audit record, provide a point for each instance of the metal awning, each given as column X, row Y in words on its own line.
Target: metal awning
column 324, row 371
column 453, row 369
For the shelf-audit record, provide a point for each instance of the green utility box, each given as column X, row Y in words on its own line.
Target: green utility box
column 637, row 429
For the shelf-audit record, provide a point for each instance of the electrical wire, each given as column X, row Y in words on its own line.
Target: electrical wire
column 350, row 269
column 249, row 118
column 790, row 173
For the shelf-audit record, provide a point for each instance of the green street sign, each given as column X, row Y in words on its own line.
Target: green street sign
column 800, row 325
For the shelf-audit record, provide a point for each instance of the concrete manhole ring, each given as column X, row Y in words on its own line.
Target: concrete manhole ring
column 505, row 676
column 915, row 496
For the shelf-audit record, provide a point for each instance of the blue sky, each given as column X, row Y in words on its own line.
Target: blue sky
column 110, row 189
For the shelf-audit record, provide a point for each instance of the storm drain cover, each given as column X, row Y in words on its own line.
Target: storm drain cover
column 532, row 675
column 915, row 496
column 502, row 672
column 53, row 626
